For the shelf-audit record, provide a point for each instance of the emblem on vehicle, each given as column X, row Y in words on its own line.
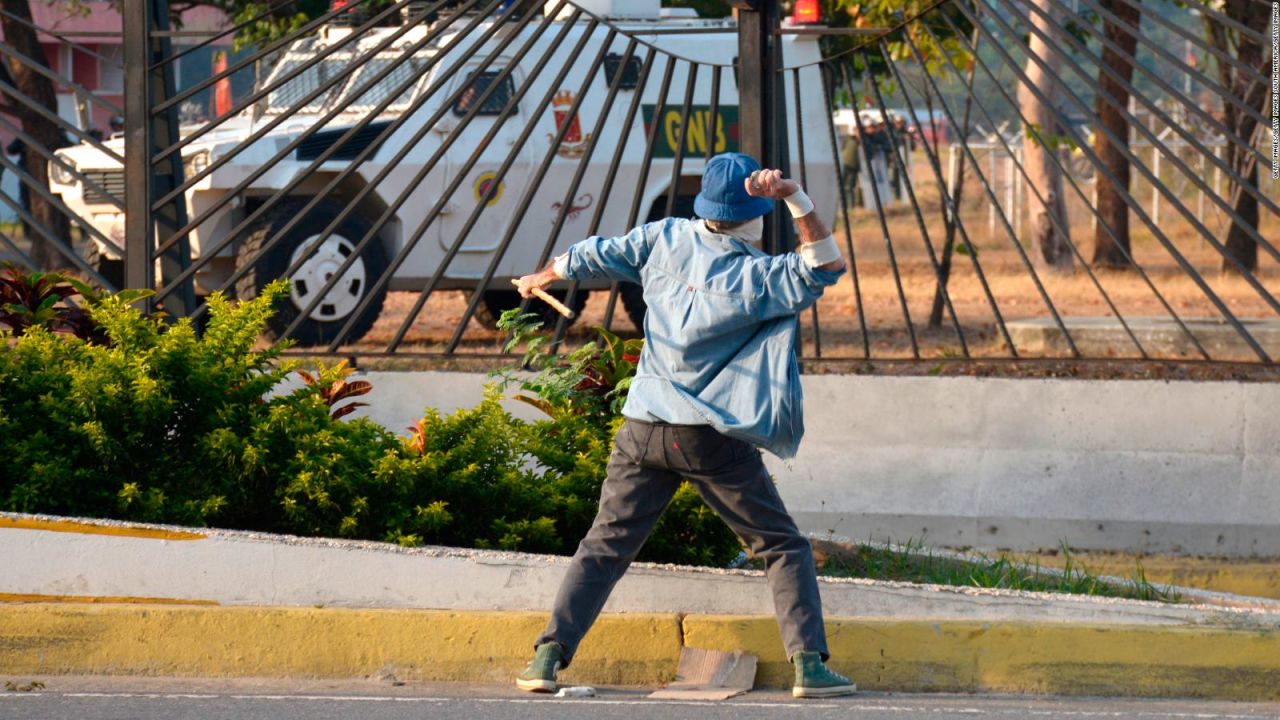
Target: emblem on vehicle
column 484, row 181
column 574, row 143
column 575, row 208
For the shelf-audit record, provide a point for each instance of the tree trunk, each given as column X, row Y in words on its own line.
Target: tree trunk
column 957, row 191
column 1108, row 250
column 1240, row 243
column 38, row 89
column 1048, row 220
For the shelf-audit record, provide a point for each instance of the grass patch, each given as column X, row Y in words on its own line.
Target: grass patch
column 914, row 563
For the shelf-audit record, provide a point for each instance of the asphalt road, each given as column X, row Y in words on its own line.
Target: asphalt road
column 172, row 699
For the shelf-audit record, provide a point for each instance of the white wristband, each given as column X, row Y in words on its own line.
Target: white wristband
column 799, row 204
column 561, row 266
column 819, row 252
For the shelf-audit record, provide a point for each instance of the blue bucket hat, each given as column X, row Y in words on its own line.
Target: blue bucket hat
column 724, row 190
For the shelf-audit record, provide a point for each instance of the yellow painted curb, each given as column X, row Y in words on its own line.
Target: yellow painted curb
column 99, row 599
column 1020, row 657
column 86, row 528
column 633, row 649
column 320, row 643
column 1251, row 578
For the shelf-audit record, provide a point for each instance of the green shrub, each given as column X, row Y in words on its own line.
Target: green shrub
column 123, row 429
column 158, row 423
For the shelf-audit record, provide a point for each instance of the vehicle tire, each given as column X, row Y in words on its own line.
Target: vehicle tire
column 336, row 308
column 110, row 269
column 495, row 302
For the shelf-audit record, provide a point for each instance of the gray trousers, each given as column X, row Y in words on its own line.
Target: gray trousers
column 648, row 462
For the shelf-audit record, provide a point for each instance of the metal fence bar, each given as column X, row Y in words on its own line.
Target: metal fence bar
column 167, row 175
column 1084, row 197
column 33, row 145
column 17, row 252
column 64, row 39
column 353, row 166
column 1184, row 102
column 1210, row 11
column 562, row 323
column 271, row 47
column 289, row 148
column 1057, row 222
column 64, row 249
column 534, row 118
column 677, row 163
column 40, row 69
column 642, row 83
column 1134, row 205
column 372, row 234
column 439, row 154
column 138, row 268
column 1174, row 201
column 650, row 136
column 322, row 88
column 350, row 189
column 58, row 122
column 1175, row 160
column 830, row 83
column 713, row 112
column 804, row 183
column 952, row 208
column 530, row 191
column 986, row 186
column 1160, row 51
column 920, row 221
column 448, row 192
column 888, row 242
column 33, row 186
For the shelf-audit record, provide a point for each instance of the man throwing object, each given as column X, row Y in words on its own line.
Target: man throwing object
column 717, row 379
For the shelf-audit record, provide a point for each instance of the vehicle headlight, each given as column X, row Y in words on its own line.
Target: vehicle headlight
column 61, row 171
column 195, row 163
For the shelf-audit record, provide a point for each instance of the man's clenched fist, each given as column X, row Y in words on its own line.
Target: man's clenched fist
column 770, row 184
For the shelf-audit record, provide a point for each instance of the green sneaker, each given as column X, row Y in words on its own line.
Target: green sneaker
column 815, row 680
column 540, row 676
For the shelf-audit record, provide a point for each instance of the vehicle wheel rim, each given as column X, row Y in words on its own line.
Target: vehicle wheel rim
column 304, row 285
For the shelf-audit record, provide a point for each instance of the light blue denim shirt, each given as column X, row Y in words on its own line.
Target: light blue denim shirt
column 720, row 332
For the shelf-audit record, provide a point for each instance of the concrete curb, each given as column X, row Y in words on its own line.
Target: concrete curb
column 57, row 559
column 104, row 597
column 633, row 649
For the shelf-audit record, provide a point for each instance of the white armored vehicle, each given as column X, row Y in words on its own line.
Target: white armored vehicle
column 415, row 222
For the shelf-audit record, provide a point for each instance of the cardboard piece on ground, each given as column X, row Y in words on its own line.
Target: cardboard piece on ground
column 710, row 675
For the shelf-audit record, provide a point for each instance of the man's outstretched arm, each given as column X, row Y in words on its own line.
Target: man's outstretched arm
column 612, row 258
column 812, row 231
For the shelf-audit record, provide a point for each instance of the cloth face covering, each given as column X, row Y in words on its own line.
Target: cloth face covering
column 750, row 232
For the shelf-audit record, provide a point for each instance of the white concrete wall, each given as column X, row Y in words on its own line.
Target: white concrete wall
column 1178, row 467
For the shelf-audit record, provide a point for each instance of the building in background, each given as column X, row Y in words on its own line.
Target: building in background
column 83, row 42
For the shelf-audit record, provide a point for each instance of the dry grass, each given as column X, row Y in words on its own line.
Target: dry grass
column 1003, row 264
column 878, row 325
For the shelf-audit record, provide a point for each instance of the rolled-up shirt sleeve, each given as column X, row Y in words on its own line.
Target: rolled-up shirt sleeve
column 614, row 258
column 788, row 284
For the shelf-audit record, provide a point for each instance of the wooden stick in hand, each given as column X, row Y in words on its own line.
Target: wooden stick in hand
column 546, row 297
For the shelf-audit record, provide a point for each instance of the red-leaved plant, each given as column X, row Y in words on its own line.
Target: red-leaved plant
column 330, row 383
column 47, row 300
